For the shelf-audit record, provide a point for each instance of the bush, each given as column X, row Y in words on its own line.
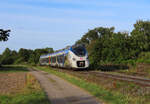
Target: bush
column 144, row 57
column 19, row 60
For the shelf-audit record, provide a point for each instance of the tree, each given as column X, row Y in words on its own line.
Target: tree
column 141, row 37
column 4, row 34
column 6, row 57
column 97, row 42
column 24, row 54
column 38, row 52
column 95, row 34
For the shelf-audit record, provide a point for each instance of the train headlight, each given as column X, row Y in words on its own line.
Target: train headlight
column 73, row 59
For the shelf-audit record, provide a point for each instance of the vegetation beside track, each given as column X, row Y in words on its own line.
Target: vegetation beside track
column 30, row 93
column 141, row 70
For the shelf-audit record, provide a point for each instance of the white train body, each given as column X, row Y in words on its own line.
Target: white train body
column 72, row 57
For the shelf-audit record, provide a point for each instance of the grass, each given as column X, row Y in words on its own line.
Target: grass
column 141, row 70
column 96, row 90
column 28, row 98
column 12, row 68
column 31, row 94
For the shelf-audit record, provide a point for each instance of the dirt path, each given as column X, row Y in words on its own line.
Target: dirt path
column 60, row 91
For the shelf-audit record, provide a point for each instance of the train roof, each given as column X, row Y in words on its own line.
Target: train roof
column 64, row 51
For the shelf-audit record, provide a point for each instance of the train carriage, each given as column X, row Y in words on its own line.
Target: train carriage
column 74, row 56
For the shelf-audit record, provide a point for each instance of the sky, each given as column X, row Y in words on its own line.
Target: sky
column 59, row 23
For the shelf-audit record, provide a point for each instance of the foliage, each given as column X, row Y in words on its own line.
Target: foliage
column 141, row 36
column 109, row 47
column 10, row 69
column 36, row 97
column 7, row 57
column 23, row 56
column 4, row 34
column 144, row 57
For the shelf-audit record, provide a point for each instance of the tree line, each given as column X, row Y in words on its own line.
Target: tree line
column 108, row 47
column 23, row 56
column 104, row 45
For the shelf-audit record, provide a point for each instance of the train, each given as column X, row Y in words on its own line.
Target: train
column 72, row 57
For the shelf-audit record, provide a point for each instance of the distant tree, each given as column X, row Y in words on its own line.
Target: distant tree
column 38, row 52
column 24, row 54
column 4, row 34
column 6, row 57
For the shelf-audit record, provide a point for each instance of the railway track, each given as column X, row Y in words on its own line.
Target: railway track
column 128, row 78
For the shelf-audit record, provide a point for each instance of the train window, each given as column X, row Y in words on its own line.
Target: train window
column 63, row 58
column 60, row 59
column 47, row 60
column 54, row 59
column 41, row 61
column 44, row 60
column 79, row 50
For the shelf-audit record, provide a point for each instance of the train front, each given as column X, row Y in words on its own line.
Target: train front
column 79, row 57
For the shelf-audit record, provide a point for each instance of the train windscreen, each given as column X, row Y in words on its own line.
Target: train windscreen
column 79, row 50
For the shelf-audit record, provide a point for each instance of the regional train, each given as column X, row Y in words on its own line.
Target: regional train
column 73, row 57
